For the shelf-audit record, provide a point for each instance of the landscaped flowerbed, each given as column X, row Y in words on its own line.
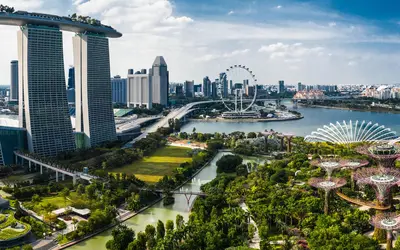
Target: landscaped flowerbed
column 11, row 228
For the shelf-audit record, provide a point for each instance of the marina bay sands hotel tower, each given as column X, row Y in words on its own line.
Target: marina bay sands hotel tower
column 43, row 106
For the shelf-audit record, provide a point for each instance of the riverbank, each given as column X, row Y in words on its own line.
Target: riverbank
column 377, row 110
column 247, row 120
column 130, row 215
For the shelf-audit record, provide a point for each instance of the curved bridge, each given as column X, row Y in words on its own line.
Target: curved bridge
column 361, row 202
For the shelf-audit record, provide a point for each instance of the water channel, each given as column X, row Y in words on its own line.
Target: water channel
column 158, row 211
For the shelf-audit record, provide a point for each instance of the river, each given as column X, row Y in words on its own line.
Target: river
column 158, row 211
column 314, row 118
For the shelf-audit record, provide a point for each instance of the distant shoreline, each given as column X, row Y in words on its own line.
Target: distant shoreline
column 247, row 120
column 379, row 110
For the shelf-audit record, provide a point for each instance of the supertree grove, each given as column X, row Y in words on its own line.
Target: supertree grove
column 327, row 185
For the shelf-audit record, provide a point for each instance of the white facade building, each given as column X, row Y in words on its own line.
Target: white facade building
column 139, row 91
column 94, row 112
column 43, row 107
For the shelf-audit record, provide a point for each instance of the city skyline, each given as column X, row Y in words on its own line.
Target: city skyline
column 333, row 43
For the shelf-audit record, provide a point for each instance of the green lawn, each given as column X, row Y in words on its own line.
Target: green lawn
column 162, row 162
column 51, row 203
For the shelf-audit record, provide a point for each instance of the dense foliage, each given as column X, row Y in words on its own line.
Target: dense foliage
column 213, row 224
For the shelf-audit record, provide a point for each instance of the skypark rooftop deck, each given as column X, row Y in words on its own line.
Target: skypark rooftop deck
column 21, row 18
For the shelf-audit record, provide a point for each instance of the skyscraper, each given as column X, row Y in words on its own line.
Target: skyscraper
column 189, row 88
column 214, row 89
column 94, row 112
column 119, row 89
column 224, row 83
column 139, row 92
column 300, row 86
column 159, row 78
column 14, row 81
column 179, row 90
column 206, row 87
column 281, row 86
column 43, row 107
column 71, row 77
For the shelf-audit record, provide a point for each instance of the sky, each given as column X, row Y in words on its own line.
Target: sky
column 313, row 42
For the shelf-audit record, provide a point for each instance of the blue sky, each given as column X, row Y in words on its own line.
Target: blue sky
column 315, row 42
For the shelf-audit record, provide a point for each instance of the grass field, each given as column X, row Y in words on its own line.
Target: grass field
column 162, row 162
column 53, row 202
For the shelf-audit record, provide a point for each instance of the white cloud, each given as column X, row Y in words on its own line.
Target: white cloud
column 278, row 7
column 352, row 63
column 210, row 57
column 231, row 12
column 24, row 4
column 135, row 15
column 308, row 48
column 291, row 52
column 332, row 24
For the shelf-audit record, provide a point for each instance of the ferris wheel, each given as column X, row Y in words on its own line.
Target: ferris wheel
column 238, row 82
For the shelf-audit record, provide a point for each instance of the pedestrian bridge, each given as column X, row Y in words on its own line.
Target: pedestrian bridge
column 58, row 169
column 361, row 202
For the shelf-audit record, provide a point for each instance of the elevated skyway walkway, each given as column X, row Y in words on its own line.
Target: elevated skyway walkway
column 361, row 202
column 58, row 169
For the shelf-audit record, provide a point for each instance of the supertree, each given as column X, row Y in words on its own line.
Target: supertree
column 381, row 179
column 353, row 164
column 327, row 186
column 384, row 154
column 388, row 222
column 329, row 165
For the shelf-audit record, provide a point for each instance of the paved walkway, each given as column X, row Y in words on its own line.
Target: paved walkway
column 255, row 241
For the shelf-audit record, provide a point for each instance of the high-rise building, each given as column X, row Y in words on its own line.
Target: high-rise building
column 43, row 107
column 206, row 87
column 159, row 79
column 71, row 77
column 131, row 72
column 14, row 81
column 197, row 88
column 245, row 83
column 281, row 86
column 139, row 91
column 94, row 112
column 178, row 90
column 224, row 82
column 118, row 89
column 250, row 90
column 300, row 86
column 214, row 89
column 189, row 88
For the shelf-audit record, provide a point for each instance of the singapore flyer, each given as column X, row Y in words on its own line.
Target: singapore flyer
column 237, row 89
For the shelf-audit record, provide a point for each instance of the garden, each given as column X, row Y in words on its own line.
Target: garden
column 11, row 228
column 162, row 162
